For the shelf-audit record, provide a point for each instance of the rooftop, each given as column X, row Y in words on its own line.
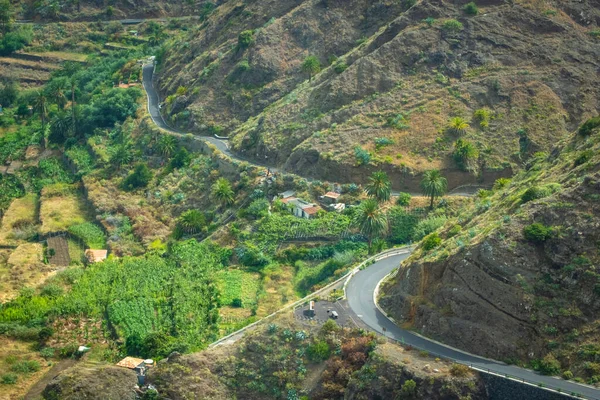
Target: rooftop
column 96, row 255
column 333, row 195
column 130, row 362
column 311, row 210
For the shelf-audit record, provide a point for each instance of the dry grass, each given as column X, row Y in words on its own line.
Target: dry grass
column 60, row 210
column 20, row 268
column 278, row 291
column 11, row 350
column 61, row 55
column 22, row 211
column 26, row 254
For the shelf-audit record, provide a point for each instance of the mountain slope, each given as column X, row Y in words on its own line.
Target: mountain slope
column 516, row 277
column 390, row 83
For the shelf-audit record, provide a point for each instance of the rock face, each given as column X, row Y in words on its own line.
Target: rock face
column 99, row 382
column 388, row 73
column 494, row 291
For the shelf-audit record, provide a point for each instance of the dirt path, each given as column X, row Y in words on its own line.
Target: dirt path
column 35, row 392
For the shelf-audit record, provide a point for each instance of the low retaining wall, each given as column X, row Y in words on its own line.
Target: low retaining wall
column 500, row 388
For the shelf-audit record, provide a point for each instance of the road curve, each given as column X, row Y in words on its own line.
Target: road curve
column 360, row 292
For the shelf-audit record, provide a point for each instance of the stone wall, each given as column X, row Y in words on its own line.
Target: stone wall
column 499, row 388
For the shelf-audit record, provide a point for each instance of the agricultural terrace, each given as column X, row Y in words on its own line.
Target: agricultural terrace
column 20, row 220
column 61, row 207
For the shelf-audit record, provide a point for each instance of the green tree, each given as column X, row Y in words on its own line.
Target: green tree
column 537, row 233
column 245, row 39
column 139, row 178
column 120, row 155
column 408, row 389
column 458, row 125
column 370, row 219
column 471, row 8
column 379, row 186
column 319, row 351
column 311, row 66
column 56, row 91
column 433, row 185
column 191, row 221
column 403, row 199
column 60, row 128
column 40, row 104
column 222, row 191
column 6, row 16
column 464, row 154
column 167, row 144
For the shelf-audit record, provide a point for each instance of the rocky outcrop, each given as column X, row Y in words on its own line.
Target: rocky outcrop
column 493, row 290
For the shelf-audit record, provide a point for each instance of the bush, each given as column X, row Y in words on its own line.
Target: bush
column 432, row 241
column 26, row 366
column 409, row 388
column 319, row 351
column 539, row 192
column 245, row 39
column 452, row 26
column 258, row 208
column 501, row 183
column 549, row 365
column 455, row 230
column 402, row 225
column 139, row 178
column 583, row 158
column 237, row 302
column 15, row 40
column 363, row 157
column 9, row 378
column 537, row 233
column 403, row 199
column 459, row 370
column 91, row 234
column 471, row 8
column 406, row 4
column 589, row 125
column 340, row 67
column 567, row 375
column 428, row 225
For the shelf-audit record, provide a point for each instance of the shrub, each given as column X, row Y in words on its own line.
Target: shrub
column 428, row 225
column 432, row 241
column 501, row 183
column 471, row 8
column 464, row 153
column 409, row 388
column 258, row 208
column 537, row 233
column 583, row 158
column 90, row 233
column 139, row 178
column 567, row 375
column 237, row 302
column 549, row 365
column 340, row 67
column 589, row 125
column 382, row 142
column 26, row 366
column 9, row 378
column 363, row 157
column 452, row 26
column 459, row 370
column 245, row 39
column 455, row 230
column 539, row 192
column 319, row 351
column 406, row 4
column 403, row 199
column 402, row 225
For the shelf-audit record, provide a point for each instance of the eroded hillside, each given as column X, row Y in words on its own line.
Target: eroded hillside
column 392, row 78
column 517, row 277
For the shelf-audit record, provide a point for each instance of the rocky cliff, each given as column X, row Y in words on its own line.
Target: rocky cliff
column 517, row 277
column 392, row 76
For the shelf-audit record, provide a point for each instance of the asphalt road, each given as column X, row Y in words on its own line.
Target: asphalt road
column 360, row 295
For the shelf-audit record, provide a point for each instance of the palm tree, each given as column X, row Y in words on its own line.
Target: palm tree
column 56, row 93
column 40, row 104
column 60, row 127
column 311, row 66
column 458, row 125
column 191, row 221
column 120, row 155
column 73, row 84
column 379, row 186
column 222, row 191
column 370, row 219
column 167, row 144
column 433, row 185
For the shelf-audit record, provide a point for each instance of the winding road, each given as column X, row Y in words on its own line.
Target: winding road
column 362, row 286
column 360, row 293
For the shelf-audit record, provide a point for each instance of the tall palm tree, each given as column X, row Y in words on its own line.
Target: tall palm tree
column 370, row 219
column 433, row 185
column 56, row 93
column 40, row 104
column 60, row 127
column 120, row 155
column 73, row 84
column 379, row 186
column 222, row 191
column 458, row 125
